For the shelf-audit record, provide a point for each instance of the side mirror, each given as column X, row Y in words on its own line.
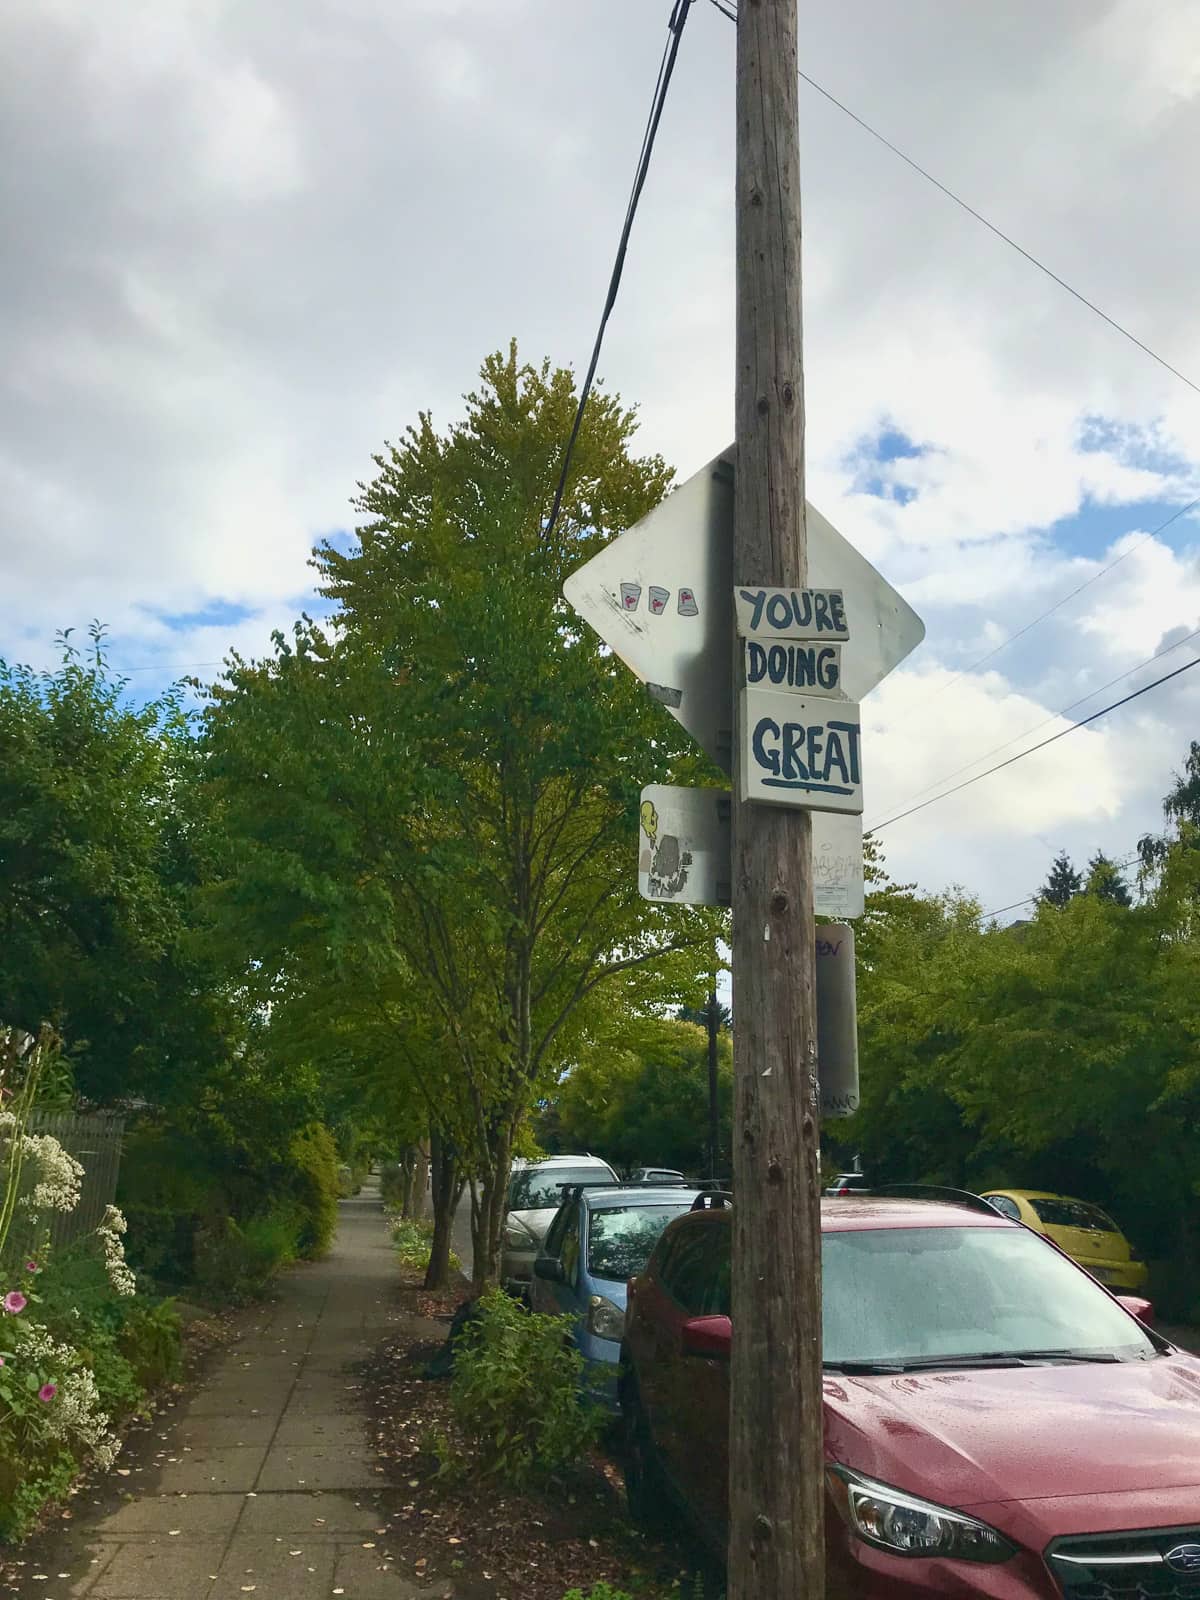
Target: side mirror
column 707, row 1336
column 550, row 1268
column 1143, row 1310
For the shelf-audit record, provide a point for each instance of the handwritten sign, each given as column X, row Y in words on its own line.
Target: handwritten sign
column 801, row 752
column 802, row 668
column 791, row 614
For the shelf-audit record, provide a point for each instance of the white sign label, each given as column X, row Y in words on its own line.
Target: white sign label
column 791, row 613
column 801, row 667
column 685, row 852
column 799, row 752
column 685, row 845
column 839, row 889
column 837, row 1021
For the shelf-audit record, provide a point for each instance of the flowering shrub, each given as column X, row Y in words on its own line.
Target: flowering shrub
column 59, row 1176
column 112, row 1226
column 67, row 1334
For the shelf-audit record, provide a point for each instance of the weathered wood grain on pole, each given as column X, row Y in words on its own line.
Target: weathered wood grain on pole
column 776, row 1470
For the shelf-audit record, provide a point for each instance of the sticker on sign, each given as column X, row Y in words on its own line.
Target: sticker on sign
column 685, row 852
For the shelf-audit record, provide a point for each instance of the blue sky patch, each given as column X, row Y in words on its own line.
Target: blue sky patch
column 888, row 445
column 215, row 614
column 1094, row 528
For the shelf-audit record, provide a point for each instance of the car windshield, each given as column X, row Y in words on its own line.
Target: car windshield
column 539, row 1188
column 620, row 1238
column 1057, row 1213
column 917, row 1294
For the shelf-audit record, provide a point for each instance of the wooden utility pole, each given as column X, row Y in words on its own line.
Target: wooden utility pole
column 713, row 1022
column 776, row 1466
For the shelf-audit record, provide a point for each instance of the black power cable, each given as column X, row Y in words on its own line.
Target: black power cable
column 1033, row 748
column 728, row 10
column 679, row 16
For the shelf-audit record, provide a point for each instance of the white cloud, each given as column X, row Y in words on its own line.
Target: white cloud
column 247, row 244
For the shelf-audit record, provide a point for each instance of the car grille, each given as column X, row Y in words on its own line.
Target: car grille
column 1155, row 1565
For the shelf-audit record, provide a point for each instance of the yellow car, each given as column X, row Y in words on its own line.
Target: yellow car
column 1082, row 1230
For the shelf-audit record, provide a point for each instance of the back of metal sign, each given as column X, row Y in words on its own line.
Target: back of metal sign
column 661, row 595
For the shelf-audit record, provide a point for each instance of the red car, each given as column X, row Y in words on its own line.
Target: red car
column 996, row 1423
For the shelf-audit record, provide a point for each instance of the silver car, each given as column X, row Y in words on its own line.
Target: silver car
column 535, row 1192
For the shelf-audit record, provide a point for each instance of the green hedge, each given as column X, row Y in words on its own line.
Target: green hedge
column 202, row 1220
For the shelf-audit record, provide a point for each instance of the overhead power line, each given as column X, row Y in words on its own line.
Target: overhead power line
column 1054, row 716
column 1058, row 604
column 728, row 10
column 1034, row 748
column 1032, row 899
column 169, row 666
column 679, row 16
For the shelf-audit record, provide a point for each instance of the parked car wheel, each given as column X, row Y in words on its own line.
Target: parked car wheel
column 645, row 1488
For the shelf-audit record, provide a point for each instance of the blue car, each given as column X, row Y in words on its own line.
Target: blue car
column 600, row 1238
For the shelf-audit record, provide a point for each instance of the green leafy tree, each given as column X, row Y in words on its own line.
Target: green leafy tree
column 437, row 795
column 1063, row 884
column 1066, row 1058
column 639, row 1095
column 1181, row 809
column 1106, row 880
column 98, row 855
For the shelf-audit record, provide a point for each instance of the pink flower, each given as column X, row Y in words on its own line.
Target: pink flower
column 2, row 1361
column 32, row 1266
column 47, row 1392
column 15, row 1302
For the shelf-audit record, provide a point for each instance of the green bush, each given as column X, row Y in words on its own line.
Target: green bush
column 77, row 1305
column 164, row 1169
column 161, row 1245
column 515, row 1395
column 412, row 1241
column 314, row 1160
column 391, row 1184
column 132, row 1344
column 29, row 1479
column 152, row 1342
column 235, row 1263
column 598, row 1591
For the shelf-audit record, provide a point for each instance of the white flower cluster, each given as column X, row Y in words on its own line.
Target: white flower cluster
column 39, row 1345
column 58, row 1177
column 74, row 1412
column 120, row 1274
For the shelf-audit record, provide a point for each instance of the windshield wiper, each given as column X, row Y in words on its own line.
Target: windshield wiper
column 1007, row 1358
column 863, row 1369
column 1105, row 1357
column 980, row 1358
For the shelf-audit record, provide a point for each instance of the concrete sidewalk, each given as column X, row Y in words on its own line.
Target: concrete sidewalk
column 265, row 1482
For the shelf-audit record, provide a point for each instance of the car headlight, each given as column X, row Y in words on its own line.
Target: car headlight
column 605, row 1320
column 517, row 1237
column 906, row 1526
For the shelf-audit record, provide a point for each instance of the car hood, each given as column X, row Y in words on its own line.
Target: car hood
column 535, row 1222
column 966, row 1438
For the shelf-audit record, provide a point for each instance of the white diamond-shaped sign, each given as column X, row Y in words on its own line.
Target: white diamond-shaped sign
column 661, row 596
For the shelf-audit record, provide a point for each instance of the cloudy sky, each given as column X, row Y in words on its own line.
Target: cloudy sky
column 245, row 243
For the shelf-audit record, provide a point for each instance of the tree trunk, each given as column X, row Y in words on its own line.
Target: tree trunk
column 714, row 1114
column 487, row 1221
column 446, row 1191
column 408, row 1168
column 421, row 1161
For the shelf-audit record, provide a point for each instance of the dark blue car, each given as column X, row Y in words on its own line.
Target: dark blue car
column 600, row 1239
